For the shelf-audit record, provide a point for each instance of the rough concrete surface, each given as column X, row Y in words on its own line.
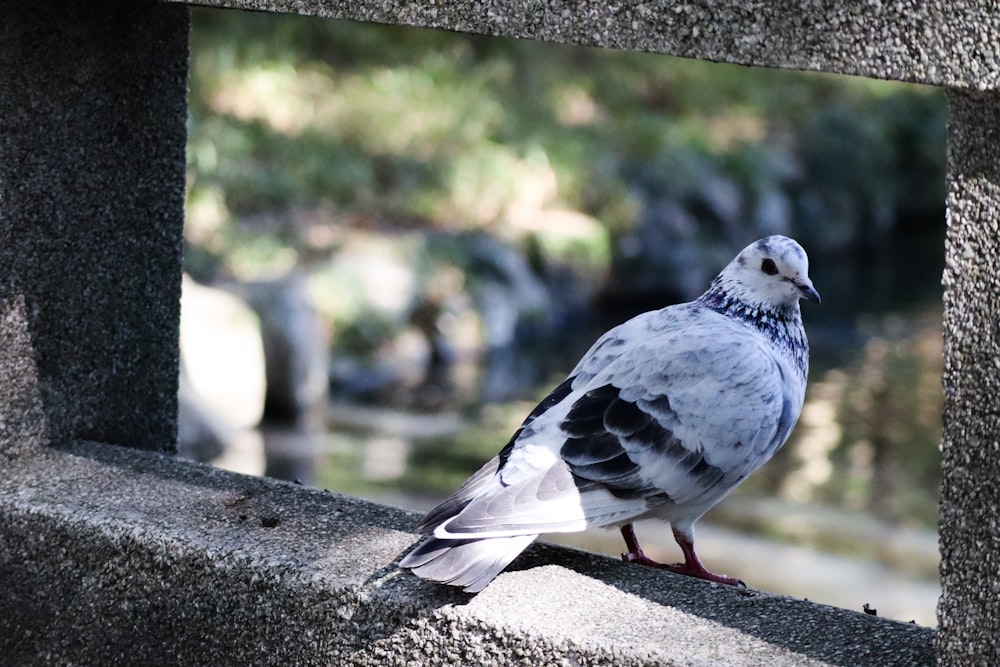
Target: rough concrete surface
column 941, row 42
column 969, row 609
column 92, row 165
column 112, row 555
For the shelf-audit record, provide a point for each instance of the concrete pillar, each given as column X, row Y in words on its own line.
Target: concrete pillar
column 969, row 609
column 92, row 161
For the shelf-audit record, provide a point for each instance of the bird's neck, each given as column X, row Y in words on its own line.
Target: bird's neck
column 781, row 324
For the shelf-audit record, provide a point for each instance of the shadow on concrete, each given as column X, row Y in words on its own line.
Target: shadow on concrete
column 830, row 634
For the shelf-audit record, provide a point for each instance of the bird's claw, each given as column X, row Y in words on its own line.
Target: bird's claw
column 697, row 571
column 641, row 559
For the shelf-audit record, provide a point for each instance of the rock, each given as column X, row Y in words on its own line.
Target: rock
column 296, row 347
column 510, row 297
column 201, row 435
column 222, row 354
column 222, row 380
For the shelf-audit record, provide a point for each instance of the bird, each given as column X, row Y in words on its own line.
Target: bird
column 662, row 417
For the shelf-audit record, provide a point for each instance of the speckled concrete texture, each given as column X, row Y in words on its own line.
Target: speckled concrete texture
column 117, row 556
column 969, row 609
column 942, row 42
column 92, row 159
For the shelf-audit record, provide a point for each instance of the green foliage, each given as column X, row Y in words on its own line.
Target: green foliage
column 439, row 130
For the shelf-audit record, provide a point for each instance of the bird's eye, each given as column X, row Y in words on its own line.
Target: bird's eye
column 769, row 267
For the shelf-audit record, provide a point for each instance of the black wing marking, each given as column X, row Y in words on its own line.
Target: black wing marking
column 554, row 397
column 607, row 433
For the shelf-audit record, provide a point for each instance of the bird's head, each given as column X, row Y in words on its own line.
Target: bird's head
column 773, row 270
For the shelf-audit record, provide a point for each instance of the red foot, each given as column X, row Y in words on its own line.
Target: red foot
column 691, row 567
column 699, row 571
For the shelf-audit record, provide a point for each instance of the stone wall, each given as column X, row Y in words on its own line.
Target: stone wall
column 939, row 42
column 970, row 495
column 92, row 160
column 117, row 554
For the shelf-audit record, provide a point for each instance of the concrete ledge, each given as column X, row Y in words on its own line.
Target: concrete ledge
column 941, row 42
column 110, row 555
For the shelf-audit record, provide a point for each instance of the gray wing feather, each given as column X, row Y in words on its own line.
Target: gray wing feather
column 482, row 479
column 471, row 564
column 473, row 487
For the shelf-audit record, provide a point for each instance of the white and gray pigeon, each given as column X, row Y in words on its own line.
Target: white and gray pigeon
column 661, row 418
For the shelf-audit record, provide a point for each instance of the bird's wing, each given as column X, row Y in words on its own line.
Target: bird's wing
column 674, row 407
column 481, row 481
column 689, row 412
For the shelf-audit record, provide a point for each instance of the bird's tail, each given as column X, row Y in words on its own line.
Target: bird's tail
column 469, row 563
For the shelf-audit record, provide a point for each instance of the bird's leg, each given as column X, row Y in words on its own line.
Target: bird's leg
column 692, row 565
column 634, row 554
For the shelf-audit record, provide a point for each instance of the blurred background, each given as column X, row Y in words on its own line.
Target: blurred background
column 399, row 240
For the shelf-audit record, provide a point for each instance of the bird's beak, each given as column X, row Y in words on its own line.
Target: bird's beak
column 806, row 289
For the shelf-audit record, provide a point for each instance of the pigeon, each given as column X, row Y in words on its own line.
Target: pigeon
column 662, row 418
